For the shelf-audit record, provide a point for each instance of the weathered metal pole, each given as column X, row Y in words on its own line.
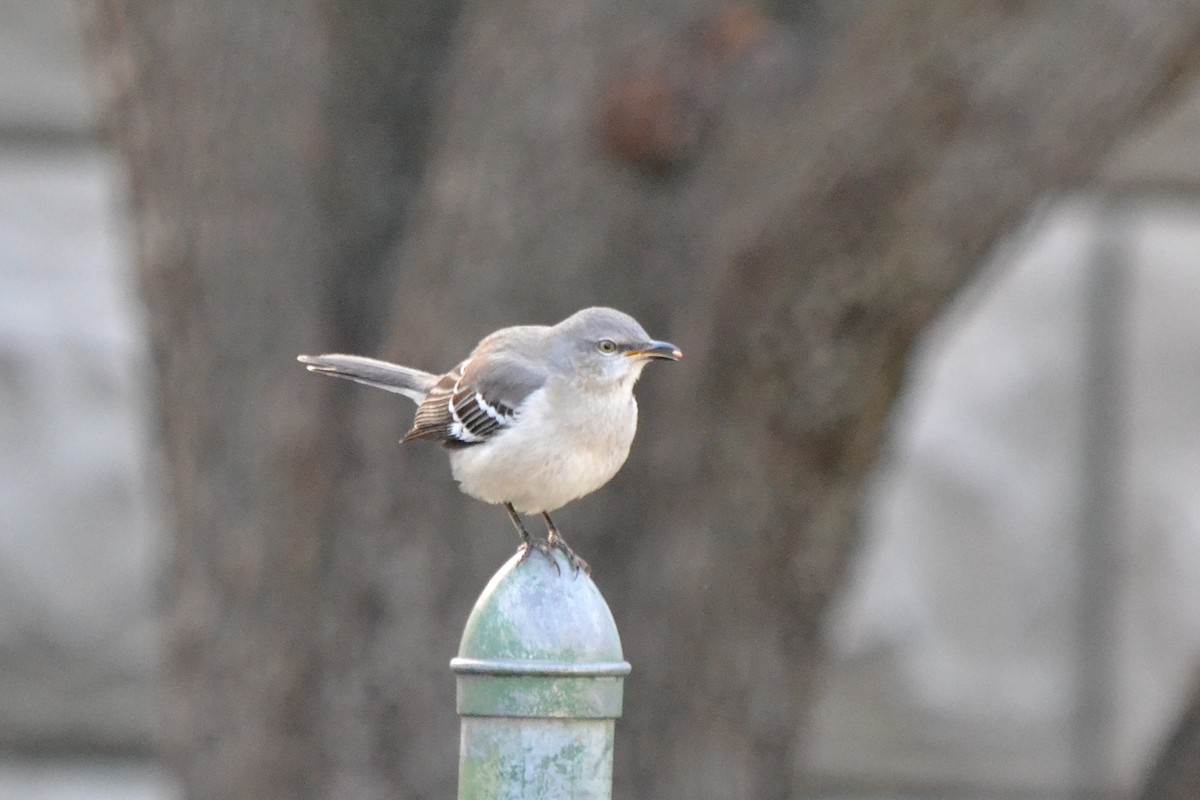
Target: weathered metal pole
column 540, row 679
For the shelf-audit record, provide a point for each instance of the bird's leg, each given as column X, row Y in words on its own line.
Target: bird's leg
column 555, row 540
column 528, row 543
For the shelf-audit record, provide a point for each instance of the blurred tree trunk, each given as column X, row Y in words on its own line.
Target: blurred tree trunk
column 790, row 194
column 274, row 149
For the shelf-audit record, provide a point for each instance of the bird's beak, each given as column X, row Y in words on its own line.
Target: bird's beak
column 656, row 350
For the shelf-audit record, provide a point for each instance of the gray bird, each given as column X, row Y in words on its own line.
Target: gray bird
column 535, row 417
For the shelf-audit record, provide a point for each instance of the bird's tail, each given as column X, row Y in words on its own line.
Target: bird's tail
column 412, row 383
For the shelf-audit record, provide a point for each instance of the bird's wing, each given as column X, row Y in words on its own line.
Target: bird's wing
column 476, row 400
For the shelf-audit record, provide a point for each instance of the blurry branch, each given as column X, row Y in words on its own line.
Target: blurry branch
column 930, row 132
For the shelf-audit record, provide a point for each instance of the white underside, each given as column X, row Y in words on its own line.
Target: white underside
column 547, row 459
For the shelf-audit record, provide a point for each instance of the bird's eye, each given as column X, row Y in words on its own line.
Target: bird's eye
column 607, row 346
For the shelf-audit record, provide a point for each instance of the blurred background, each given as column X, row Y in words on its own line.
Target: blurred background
column 919, row 519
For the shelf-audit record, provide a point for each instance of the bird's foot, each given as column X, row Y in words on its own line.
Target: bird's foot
column 528, row 543
column 577, row 563
column 543, row 547
column 555, row 540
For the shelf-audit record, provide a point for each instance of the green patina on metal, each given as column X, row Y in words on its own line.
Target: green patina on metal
column 540, row 679
column 577, row 697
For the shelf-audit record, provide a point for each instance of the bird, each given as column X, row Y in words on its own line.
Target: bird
column 535, row 417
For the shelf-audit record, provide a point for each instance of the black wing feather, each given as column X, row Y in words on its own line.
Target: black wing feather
column 458, row 413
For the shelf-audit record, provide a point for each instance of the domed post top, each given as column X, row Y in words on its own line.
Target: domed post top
column 540, row 677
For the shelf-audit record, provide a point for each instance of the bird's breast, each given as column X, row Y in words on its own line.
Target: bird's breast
column 562, row 447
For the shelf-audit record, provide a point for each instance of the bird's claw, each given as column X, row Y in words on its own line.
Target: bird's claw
column 577, row 563
column 543, row 547
column 547, row 546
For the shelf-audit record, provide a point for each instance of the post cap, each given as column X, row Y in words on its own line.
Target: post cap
column 540, row 642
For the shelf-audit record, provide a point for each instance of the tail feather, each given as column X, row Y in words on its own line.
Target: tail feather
column 412, row 383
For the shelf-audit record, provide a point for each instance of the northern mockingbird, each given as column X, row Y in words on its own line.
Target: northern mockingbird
column 534, row 418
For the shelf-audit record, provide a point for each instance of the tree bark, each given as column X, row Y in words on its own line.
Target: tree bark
column 791, row 199
column 273, row 150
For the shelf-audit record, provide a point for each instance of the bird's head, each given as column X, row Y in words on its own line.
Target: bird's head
column 603, row 345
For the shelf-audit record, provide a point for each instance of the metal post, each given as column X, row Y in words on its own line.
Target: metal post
column 540, row 680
